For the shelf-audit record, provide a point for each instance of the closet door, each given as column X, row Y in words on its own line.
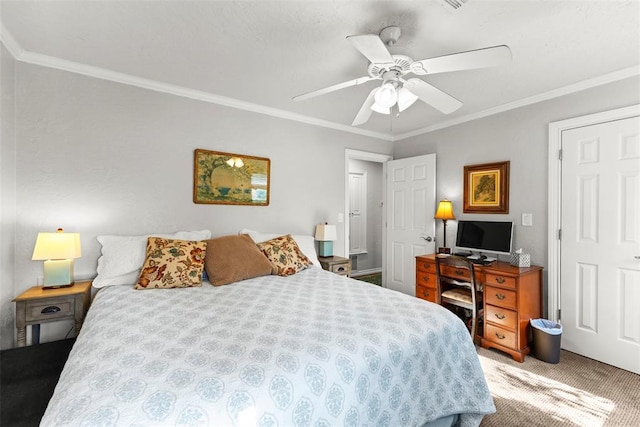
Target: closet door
column 600, row 244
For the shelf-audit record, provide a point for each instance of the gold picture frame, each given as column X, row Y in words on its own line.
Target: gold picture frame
column 230, row 179
column 486, row 188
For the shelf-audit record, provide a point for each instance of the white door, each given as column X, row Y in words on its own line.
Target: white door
column 600, row 242
column 411, row 200
column 357, row 213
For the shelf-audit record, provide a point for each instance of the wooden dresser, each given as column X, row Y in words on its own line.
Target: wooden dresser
column 512, row 296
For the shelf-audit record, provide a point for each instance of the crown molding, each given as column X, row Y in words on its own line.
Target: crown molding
column 101, row 73
column 157, row 86
column 9, row 42
column 545, row 96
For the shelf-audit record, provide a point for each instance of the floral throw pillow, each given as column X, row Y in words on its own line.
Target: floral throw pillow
column 172, row 264
column 285, row 255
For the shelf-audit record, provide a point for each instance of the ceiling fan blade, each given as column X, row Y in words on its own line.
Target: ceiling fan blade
column 371, row 46
column 480, row 58
column 433, row 96
column 365, row 111
column 333, row 88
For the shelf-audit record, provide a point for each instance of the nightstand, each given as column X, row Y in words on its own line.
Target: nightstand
column 38, row 305
column 336, row 264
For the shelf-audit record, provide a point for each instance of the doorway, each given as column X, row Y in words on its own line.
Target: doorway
column 594, row 238
column 364, row 225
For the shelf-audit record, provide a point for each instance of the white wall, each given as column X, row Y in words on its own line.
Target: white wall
column 520, row 136
column 97, row 157
column 7, row 197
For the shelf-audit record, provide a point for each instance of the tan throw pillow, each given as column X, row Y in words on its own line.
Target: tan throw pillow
column 285, row 255
column 233, row 258
column 172, row 264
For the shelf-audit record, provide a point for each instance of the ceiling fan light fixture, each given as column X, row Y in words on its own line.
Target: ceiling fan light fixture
column 387, row 95
column 380, row 109
column 405, row 99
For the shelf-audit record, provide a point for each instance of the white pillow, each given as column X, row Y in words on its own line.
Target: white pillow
column 307, row 244
column 123, row 256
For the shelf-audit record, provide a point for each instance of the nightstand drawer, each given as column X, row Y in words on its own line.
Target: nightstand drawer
column 51, row 308
column 342, row 269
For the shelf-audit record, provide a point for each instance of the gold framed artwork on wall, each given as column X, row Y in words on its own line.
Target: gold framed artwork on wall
column 230, row 179
column 486, row 188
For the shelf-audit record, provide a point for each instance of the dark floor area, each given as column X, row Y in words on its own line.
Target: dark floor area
column 28, row 376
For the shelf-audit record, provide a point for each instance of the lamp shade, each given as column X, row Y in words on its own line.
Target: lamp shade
column 326, row 233
column 405, row 99
column 57, row 246
column 445, row 210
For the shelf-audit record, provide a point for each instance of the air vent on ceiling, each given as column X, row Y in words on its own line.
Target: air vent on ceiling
column 453, row 5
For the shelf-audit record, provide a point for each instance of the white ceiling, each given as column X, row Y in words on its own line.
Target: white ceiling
column 257, row 55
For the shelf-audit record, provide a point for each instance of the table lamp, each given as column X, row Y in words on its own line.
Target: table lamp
column 58, row 250
column 326, row 234
column 444, row 212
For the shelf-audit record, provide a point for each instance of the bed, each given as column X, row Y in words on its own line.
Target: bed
column 308, row 349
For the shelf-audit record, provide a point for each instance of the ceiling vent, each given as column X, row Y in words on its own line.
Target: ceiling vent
column 453, row 5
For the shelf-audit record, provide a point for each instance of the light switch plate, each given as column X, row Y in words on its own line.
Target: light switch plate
column 340, row 217
column 527, row 219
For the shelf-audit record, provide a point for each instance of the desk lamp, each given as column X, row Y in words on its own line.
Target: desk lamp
column 58, row 250
column 326, row 234
column 444, row 212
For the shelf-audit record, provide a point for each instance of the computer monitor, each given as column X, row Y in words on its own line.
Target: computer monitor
column 485, row 236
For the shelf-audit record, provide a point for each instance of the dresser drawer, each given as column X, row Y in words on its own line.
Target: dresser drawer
column 426, row 279
column 500, row 297
column 40, row 310
column 424, row 266
column 458, row 273
column 501, row 316
column 426, row 293
column 497, row 279
column 500, row 336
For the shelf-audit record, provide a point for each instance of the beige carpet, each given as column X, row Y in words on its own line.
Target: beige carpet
column 575, row 392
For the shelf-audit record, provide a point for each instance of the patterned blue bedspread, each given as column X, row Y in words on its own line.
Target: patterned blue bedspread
column 313, row 349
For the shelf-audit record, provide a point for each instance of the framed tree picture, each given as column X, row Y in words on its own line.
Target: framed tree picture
column 230, row 179
column 486, row 188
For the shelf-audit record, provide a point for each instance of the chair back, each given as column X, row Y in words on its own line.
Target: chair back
column 457, row 285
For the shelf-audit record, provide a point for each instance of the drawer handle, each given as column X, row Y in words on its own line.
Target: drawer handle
column 500, row 280
column 425, row 293
column 425, row 278
column 50, row 310
column 426, row 266
column 459, row 272
column 340, row 268
column 500, row 316
column 500, row 336
column 500, row 296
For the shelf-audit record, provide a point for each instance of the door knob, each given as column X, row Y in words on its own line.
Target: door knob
column 428, row 238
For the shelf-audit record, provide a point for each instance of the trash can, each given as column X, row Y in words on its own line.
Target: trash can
column 546, row 340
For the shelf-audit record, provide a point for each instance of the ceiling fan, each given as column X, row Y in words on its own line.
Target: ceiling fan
column 397, row 93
